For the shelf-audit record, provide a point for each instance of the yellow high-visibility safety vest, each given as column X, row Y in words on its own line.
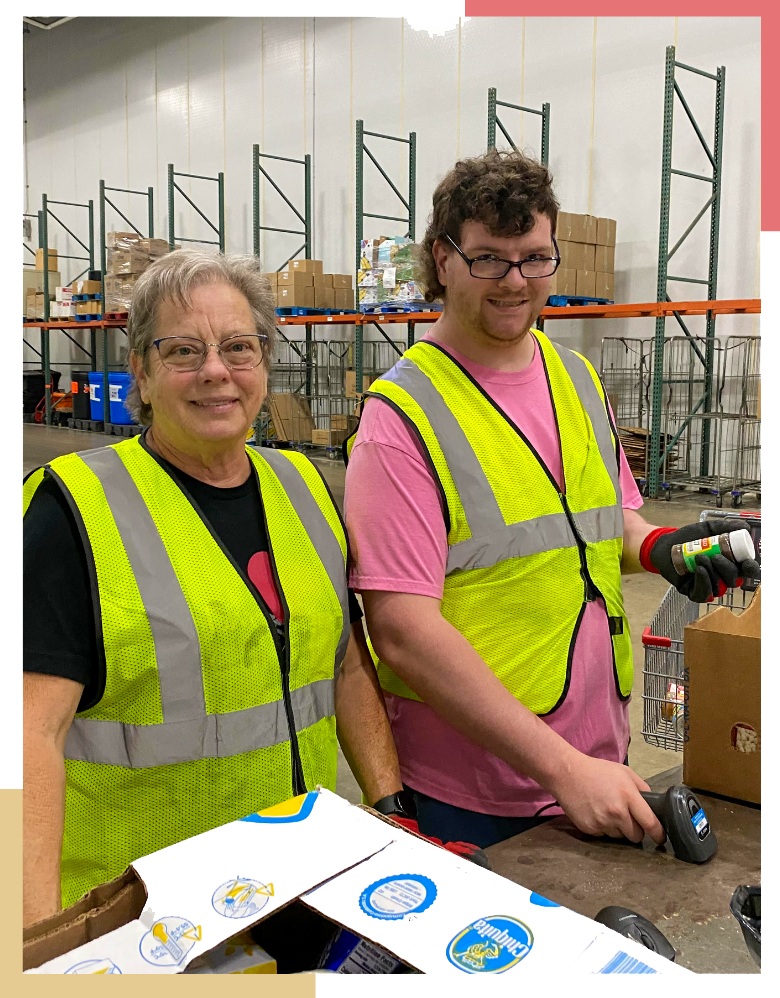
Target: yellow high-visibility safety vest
column 212, row 709
column 524, row 557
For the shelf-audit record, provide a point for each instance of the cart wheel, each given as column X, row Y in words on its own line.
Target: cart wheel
column 736, row 501
column 668, row 495
column 719, row 501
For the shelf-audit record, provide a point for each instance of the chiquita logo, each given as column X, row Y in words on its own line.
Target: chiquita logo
column 490, row 945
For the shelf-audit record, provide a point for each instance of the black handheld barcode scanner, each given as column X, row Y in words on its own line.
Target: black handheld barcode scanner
column 685, row 823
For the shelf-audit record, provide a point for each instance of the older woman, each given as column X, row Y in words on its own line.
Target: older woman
column 186, row 606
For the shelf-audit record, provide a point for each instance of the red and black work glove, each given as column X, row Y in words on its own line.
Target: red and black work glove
column 465, row 849
column 713, row 575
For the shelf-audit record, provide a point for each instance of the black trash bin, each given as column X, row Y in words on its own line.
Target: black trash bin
column 34, row 388
column 79, row 386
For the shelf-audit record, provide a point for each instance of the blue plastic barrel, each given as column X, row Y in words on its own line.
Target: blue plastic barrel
column 96, row 395
column 119, row 383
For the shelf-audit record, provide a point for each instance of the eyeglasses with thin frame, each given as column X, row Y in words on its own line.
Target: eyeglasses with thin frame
column 492, row 268
column 187, row 353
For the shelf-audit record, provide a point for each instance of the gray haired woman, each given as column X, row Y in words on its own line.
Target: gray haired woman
column 194, row 667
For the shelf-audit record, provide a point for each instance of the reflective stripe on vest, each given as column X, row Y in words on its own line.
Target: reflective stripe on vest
column 188, row 733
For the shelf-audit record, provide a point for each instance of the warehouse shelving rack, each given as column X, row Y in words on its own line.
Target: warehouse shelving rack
column 43, row 243
column 409, row 202
column 219, row 229
column 493, row 120
column 713, row 182
column 102, row 202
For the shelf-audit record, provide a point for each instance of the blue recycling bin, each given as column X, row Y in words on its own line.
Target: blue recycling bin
column 96, row 395
column 119, row 383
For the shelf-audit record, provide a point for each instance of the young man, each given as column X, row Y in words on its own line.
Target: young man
column 491, row 512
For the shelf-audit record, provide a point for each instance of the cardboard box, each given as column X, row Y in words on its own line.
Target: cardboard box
column 576, row 256
column 86, row 288
column 91, row 307
column 591, row 229
column 273, row 278
column 63, row 294
column 586, row 283
column 587, row 257
column 351, row 383
column 329, row 438
column 563, row 227
column 295, row 278
column 52, row 259
column 606, row 229
column 605, row 286
column 154, row 247
column 564, row 282
column 239, row 955
column 295, row 296
column 291, row 417
column 318, row 862
column 324, row 298
column 604, row 259
column 32, row 283
column 342, row 281
column 131, row 260
column 578, row 228
column 341, row 421
column 323, row 280
column 124, row 240
column 305, row 266
column 722, row 753
column 343, row 298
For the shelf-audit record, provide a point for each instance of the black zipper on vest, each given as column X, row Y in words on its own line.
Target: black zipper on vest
column 280, row 633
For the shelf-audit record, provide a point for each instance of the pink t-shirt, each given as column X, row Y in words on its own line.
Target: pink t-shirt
column 398, row 538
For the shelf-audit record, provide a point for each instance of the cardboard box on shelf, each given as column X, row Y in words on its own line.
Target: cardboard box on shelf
column 29, row 307
column 587, row 257
column 63, row 294
column 342, row 421
column 606, row 229
column 343, row 298
column 722, row 752
column 329, row 438
column 305, row 266
column 127, row 260
column 119, row 292
column 86, row 288
column 563, row 227
column 590, row 224
column 32, row 283
column 318, row 864
column 52, row 259
column 604, row 259
column 124, row 240
column 586, row 283
column 342, row 281
column 572, row 255
column 295, row 278
column 564, row 282
column 91, row 307
column 273, row 278
column 154, row 247
column 605, row 286
column 323, row 280
column 350, row 383
column 578, row 228
column 294, row 296
column 324, row 298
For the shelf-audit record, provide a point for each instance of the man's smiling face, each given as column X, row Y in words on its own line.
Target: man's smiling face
column 502, row 309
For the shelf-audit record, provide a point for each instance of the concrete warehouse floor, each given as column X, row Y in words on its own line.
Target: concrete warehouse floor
column 643, row 592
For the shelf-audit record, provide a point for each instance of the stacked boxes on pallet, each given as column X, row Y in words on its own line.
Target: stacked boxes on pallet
column 304, row 285
column 587, row 248
column 32, row 285
column 387, row 273
column 129, row 254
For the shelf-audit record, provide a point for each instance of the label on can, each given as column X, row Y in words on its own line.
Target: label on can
column 704, row 545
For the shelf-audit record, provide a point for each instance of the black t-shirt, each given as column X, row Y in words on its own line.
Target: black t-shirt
column 59, row 619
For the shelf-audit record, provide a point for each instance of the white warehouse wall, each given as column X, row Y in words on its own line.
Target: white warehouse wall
column 120, row 98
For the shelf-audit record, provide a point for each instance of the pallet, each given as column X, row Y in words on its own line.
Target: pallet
column 92, row 317
column 559, row 301
column 93, row 425
column 86, row 298
column 113, row 316
column 122, row 429
column 395, row 309
column 315, row 311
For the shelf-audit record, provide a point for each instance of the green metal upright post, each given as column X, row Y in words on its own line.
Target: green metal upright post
column 491, row 135
column 712, row 275
column 103, row 264
column 663, row 258
column 221, row 190
column 44, row 230
column 412, row 183
column 256, row 199
column 150, row 195
column 307, row 204
column 171, row 240
column 545, row 134
column 358, row 241
column 91, row 223
column 92, row 342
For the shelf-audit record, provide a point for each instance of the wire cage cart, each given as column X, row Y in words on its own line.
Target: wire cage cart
column 665, row 687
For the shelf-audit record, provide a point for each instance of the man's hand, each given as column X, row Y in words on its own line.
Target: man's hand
column 713, row 576
column 603, row 798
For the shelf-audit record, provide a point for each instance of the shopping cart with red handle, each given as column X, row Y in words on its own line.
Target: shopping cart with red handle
column 665, row 688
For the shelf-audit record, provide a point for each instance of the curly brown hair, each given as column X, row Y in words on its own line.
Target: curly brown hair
column 500, row 189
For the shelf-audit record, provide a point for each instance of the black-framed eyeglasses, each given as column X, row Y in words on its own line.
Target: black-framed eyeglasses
column 187, row 353
column 492, row 268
